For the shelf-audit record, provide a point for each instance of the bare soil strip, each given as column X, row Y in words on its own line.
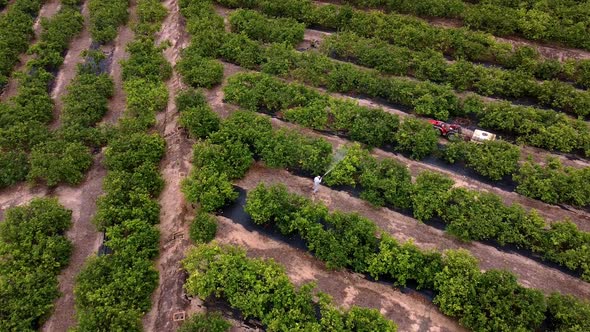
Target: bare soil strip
column 530, row 273
column 48, row 9
column 116, row 52
column 68, row 69
column 411, row 312
column 175, row 215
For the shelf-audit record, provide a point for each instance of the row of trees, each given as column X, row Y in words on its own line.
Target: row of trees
column 33, row 250
column 565, row 22
column 538, row 127
column 228, row 153
column 374, row 127
column 105, row 18
column 483, row 301
column 416, row 34
column 261, row 289
column 113, row 291
column 16, row 31
column 24, row 118
column 258, row 27
column 462, row 75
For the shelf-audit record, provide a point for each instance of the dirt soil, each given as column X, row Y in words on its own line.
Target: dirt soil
column 175, row 215
column 48, row 9
column 530, row 272
column 411, row 312
column 68, row 69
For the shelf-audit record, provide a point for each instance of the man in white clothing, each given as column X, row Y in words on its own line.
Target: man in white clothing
column 316, row 183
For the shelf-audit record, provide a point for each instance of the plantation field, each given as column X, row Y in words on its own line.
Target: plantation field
column 157, row 164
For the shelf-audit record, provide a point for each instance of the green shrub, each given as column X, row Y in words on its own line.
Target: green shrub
column 200, row 121
column 210, row 322
column 416, row 137
column 567, row 313
column 386, row 182
column 14, row 167
column 232, row 159
column 33, row 250
column 492, row 159
column 55, row 162
column 105, row 17
column 203, row 228
column 131, row 151
column 209, row 188
column 198, row 71
column 258, row 27
column 430, row 195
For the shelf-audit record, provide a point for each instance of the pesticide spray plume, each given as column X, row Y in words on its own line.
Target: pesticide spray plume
column 336, row 158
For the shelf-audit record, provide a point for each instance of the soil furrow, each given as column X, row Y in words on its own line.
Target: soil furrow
column 48, row 9
column 68, row 69
column 411, row 312
column 530, row 273
column 175, row 215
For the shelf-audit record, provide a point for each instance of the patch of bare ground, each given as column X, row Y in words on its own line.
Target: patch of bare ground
column 530, row 273
column 411, row 312
column 175, row 215
column 547, row 50
column 68, row 69
column 116, row 52
column 48, row 9
column 86, row 239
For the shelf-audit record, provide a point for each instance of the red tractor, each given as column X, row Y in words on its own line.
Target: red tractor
column 450, row 131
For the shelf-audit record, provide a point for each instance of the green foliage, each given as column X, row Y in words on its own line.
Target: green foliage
column 14, row 166
column 567, row 313
column 203, row 228
column 492, row 159
column 345, row 171
column 416, row 137
column 146, row 61
column 386, row 182
column 210, row 322
column 429, row 196
column 56, row 161
column 33, row 250
column 131, row 151
column 105, row 17
column 258, row 27
column 403, row 262
column 232, row 159
column 554, row 183
column 198, row 71
column 200, row 121
column 16, row 30
column 133, row 238
column 254, row 286
column 112, row 292
column 87, row 99
column 209, row 188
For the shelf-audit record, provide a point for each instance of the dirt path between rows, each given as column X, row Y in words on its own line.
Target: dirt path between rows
column 530, row 273
column 68, row 69
column 117, row 52
column 47, row 10
column 175, row 215
column 82, row 199
column 410, row 312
